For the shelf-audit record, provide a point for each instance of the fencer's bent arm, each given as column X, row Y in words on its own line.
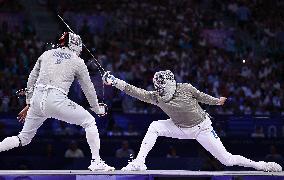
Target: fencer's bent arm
column 138, row 93
column 202, row 97
column 87, row 85
column 32, row 80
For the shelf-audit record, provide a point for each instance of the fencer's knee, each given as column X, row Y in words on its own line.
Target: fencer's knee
column 24, row 139
column 89, row 123
column 154, row 127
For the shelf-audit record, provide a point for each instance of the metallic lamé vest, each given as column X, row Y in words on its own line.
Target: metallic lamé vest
column 183, row 108
column 58, row 67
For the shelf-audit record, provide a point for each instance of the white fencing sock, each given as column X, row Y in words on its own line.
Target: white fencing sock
column 93, row 140
column 9, row 143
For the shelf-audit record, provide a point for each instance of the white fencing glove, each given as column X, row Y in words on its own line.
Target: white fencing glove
column 109, row 79
column 101, row 110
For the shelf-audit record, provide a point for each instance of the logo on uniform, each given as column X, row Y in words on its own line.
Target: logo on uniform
column 214, row 134
column 72, row 105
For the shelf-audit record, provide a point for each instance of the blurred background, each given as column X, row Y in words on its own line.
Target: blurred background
column 230, row 48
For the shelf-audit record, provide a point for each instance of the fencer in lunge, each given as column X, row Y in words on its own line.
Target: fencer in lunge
column 187, row 120
column 46, row 97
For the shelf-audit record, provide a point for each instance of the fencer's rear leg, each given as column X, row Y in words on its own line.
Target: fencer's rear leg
column 32, row 122
column 212, row 143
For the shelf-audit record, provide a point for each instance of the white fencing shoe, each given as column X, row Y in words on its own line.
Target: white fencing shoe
column 270, row 166
column 100, row 165
column 273, row 167
column 135, row 165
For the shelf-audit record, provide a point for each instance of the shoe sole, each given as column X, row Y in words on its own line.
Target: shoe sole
column 102, row 169
column 133, row 170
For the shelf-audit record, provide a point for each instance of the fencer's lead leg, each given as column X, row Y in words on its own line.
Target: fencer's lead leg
column 212, row 143
column 70, row 112
column 147, row 143
column 93, row 140
column 157, row 128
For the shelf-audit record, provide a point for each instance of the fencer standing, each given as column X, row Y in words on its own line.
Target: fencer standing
column 47, row 89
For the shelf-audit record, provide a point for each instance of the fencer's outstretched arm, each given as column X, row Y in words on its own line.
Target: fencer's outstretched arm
column 87, row 86
column 138, row 93
column 32, row 79
column 141, row 94
column 205, row 98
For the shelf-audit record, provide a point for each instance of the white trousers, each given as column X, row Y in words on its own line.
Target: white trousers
column 202, row 132
column 52, row 103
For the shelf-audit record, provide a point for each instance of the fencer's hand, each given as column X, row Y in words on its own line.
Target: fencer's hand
column 22, row 115
column 108, row 79
column 222, row 100
column 101, row 110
